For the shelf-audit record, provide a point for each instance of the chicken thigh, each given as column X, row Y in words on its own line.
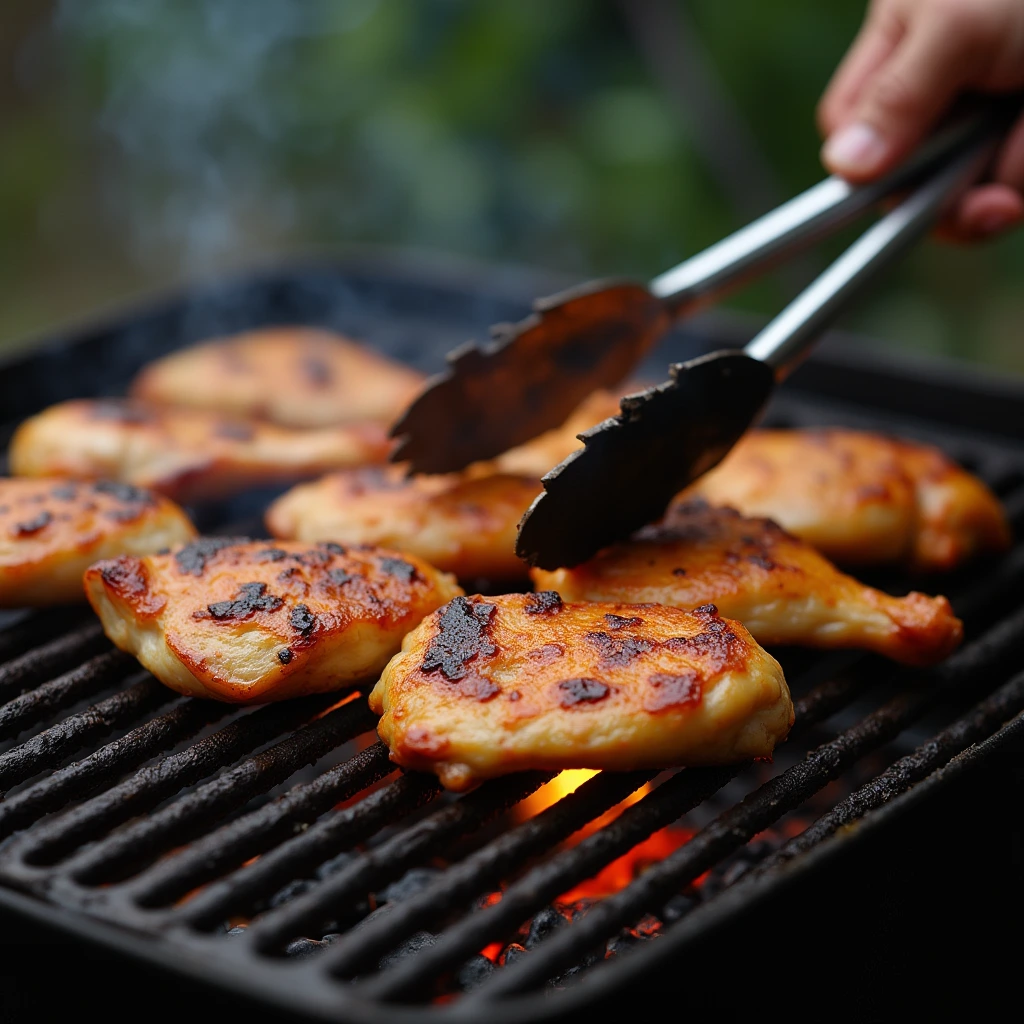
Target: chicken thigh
column 861, row 498
column 463, row 524
column 487, row 686
column 187, row 454
column 52, row 530
column 293, row 376
column 251, row 621
column 779, row 587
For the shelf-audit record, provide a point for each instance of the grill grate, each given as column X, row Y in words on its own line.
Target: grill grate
column 277, row 851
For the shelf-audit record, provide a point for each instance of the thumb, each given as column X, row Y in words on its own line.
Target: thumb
column 902, row 100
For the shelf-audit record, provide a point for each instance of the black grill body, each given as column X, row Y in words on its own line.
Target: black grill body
column 864, row 874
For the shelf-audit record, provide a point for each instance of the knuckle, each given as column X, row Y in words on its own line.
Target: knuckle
column 895, row 96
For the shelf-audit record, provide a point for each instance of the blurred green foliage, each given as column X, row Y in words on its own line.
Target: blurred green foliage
column 146, row 142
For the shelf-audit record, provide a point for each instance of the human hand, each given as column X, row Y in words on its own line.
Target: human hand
column 906, row 66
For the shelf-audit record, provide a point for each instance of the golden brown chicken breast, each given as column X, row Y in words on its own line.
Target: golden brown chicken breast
column 466, row 525
column 251, row 621
column 861, row 498
column 293, row 376
column 487, row 686
column 52, row 530
column 545, row 452
column 780, row 588
column 185, row 454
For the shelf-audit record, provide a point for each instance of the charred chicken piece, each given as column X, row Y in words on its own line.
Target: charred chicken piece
column 183, row 453
column 860, row 498
column 52, row 530
column 488, row 686
column 463, row 524
column 292, row 376
column 779, row 587
column 254, row 621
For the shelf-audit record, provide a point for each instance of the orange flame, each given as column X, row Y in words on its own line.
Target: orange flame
column 550, row 793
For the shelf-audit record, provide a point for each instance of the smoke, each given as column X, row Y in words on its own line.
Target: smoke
column 196, row 116
column 223, row 133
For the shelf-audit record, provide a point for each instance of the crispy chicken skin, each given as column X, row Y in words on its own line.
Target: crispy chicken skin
column 465, row 525
column 293, row 376
column 545, row 452
column 253, row 621
column 861, row 498
column 185, row 454
column 779, row 587
column 488, row 686
column 52, row 530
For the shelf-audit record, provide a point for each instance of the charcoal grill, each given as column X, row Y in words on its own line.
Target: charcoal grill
column 140, row 830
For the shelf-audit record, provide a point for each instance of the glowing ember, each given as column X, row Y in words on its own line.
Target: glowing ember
column 621, row 872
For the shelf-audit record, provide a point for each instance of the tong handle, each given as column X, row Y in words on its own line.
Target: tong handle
column 820, row 211
column 790, row 335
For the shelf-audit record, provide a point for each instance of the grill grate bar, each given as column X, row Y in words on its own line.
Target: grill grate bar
column 47, row 660
column 51, row 746
column 392, row 858
column 118, row 855
column 149, row 786
column 959, row 744
column 28, row 630
column 756, row 812
column 308, row 850
column 487, row 866
column 1006, row 702
column 110, row 761
column 95, row 674
column 666, row 804
column 256, row 832
column 412, row 975
column 348, row 887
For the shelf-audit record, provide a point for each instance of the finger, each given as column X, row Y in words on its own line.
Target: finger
column 983, row 212
column 1009, row 167
column 878, row 37
column 903, row 99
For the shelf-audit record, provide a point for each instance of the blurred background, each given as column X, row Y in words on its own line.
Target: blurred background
column 149, row 143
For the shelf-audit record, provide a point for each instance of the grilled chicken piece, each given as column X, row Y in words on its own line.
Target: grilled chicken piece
column 779, row 587
column 250, row 621
column 545, row 452
column 464, row 522
column 185, row 454
column 861, row 498
column 487, row 686
column 466, row 525
column 52, row 530
column 293, row 376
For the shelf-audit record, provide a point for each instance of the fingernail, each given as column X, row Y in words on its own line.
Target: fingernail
column 855, row 149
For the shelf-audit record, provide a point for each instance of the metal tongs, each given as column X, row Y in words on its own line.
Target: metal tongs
column 533, row 374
